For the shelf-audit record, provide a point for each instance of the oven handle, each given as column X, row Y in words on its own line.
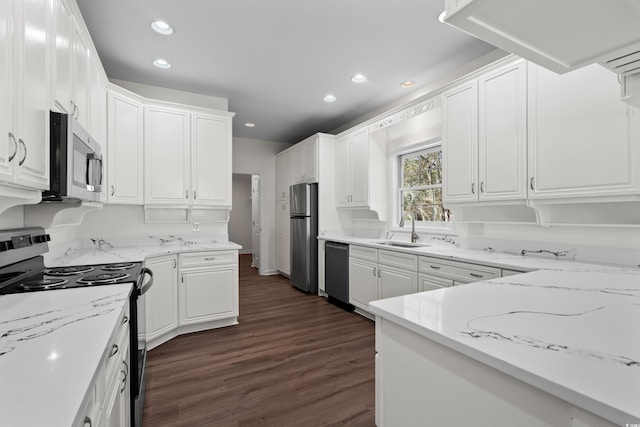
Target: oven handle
column 146, row 285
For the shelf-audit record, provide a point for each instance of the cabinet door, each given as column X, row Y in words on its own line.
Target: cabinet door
column 343, row 175
column 359, row 159
column 33, row 56
column 427, row 282
column 124, row 142
column 97, row 99
column 161, row 303
column 321, row 264
column 8, row 141
column 115, row 409
column 363, row 282
column 166, row 155
column 582, row 138
column 211, row 160
column 299, row 163
column 460, row 142
column 284, row 174
column 283, row 254
column 63, row 35
column 81, row 65
column 208, row 294
column 502, row 145
column 311, row 150
column 282, row 218
column 395, row 282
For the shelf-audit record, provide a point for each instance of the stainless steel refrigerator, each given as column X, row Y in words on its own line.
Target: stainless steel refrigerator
column 303, row 209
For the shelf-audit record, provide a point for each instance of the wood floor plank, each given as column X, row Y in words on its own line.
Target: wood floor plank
column 294, row 360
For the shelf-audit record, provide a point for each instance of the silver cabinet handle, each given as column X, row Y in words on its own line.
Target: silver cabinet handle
column 473, row 188
column 126, row 375
column 374, row 272
column 21, row 142
column 175, row 263
column 379, row 272
column 114, row 350
column 210, row 259
column 125, row 319
column 482, row 187
column 476, row 275
column 87, row 421
column 186, row 194
column 113, row 190
column 194, row 195
column 435, row 267
column 532, row 183
column 15, row 146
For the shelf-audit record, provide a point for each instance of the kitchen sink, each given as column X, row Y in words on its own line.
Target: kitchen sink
column 400, row 244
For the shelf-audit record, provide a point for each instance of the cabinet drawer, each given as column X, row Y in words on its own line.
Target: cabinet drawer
column 398, row 259
column 205, row 259
column 458, row 270
column 118, row 344
column 363, row 252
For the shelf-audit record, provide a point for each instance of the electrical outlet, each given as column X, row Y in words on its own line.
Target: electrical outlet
column 196, row 226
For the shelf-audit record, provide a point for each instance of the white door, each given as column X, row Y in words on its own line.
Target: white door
column 343, row 167
column 63, row 53
column 8, row 141
column 124, row 149
column 363, row 282
column 80, row 78
column 207, row 294
column 166, row 155
column 460, row 143
column 211, row 160
column 395, row 282
column 256, row 224
column 161, row 300
column 360, row 168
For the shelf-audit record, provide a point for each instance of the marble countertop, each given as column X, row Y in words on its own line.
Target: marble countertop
column 51, row 344
column 574, row 334
column 99, row 251
column 481, row 257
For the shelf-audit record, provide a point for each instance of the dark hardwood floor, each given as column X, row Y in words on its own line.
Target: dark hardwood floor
column 294, row 360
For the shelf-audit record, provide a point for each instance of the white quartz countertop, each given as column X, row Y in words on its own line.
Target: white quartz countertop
column 106, row 253
column 51, row 344
column 573, row 334
column 481, row 257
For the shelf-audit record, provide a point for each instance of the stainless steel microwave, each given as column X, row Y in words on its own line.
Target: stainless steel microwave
column 75, row 163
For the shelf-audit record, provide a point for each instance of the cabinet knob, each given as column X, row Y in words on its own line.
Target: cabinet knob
column 533, row 183
column 114, row 350
column 87, row 421
column 113, row 190
column 473, row 188
column 194, row 195
column 482, row 187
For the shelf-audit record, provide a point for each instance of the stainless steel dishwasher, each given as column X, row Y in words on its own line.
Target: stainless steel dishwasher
column 336, row 274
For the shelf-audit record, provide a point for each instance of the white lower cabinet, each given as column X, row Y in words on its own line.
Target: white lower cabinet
column 378, row 274
column 208, row 288
column 191, row 292
column 428, row 282
column 283, row 242
column 161, row 300
column 107, row 402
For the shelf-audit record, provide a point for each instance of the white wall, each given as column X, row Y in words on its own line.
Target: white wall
column 240, row 219
column 253, row 156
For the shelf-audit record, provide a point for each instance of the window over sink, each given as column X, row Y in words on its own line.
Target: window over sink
column 419, row 183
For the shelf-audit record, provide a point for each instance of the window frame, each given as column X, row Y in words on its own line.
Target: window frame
column 446, row 227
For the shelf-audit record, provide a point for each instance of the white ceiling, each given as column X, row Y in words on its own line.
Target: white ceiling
column 275, row 60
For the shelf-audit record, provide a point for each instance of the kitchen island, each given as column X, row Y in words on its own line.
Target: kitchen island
column 547, row 348
column 52, row 344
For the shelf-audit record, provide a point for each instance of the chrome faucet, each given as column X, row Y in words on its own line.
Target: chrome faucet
column 414, row 235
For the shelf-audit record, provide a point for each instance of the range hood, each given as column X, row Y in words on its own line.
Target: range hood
column 560, row 35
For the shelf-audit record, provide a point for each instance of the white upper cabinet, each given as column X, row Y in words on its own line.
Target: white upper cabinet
column 81, row 63
column 559, row 35
column 583, row 141
column 187, row 157
column 484, row 137
column 305, row 161
column 211, row 162
column 284, row 174
column 8, row 142
column 124, row 148
column 31, row 57
column 360, row 180
column 166, row 155
column 63, row 53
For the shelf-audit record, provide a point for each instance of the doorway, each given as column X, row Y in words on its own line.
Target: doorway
column 245, row 227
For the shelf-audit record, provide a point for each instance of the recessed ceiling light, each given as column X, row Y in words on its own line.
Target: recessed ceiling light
column 162, row 27
column 408, row 83
column 358, row 78
column 162, row 63
column 442, row 15
column 329, row 98
column 250, row 125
